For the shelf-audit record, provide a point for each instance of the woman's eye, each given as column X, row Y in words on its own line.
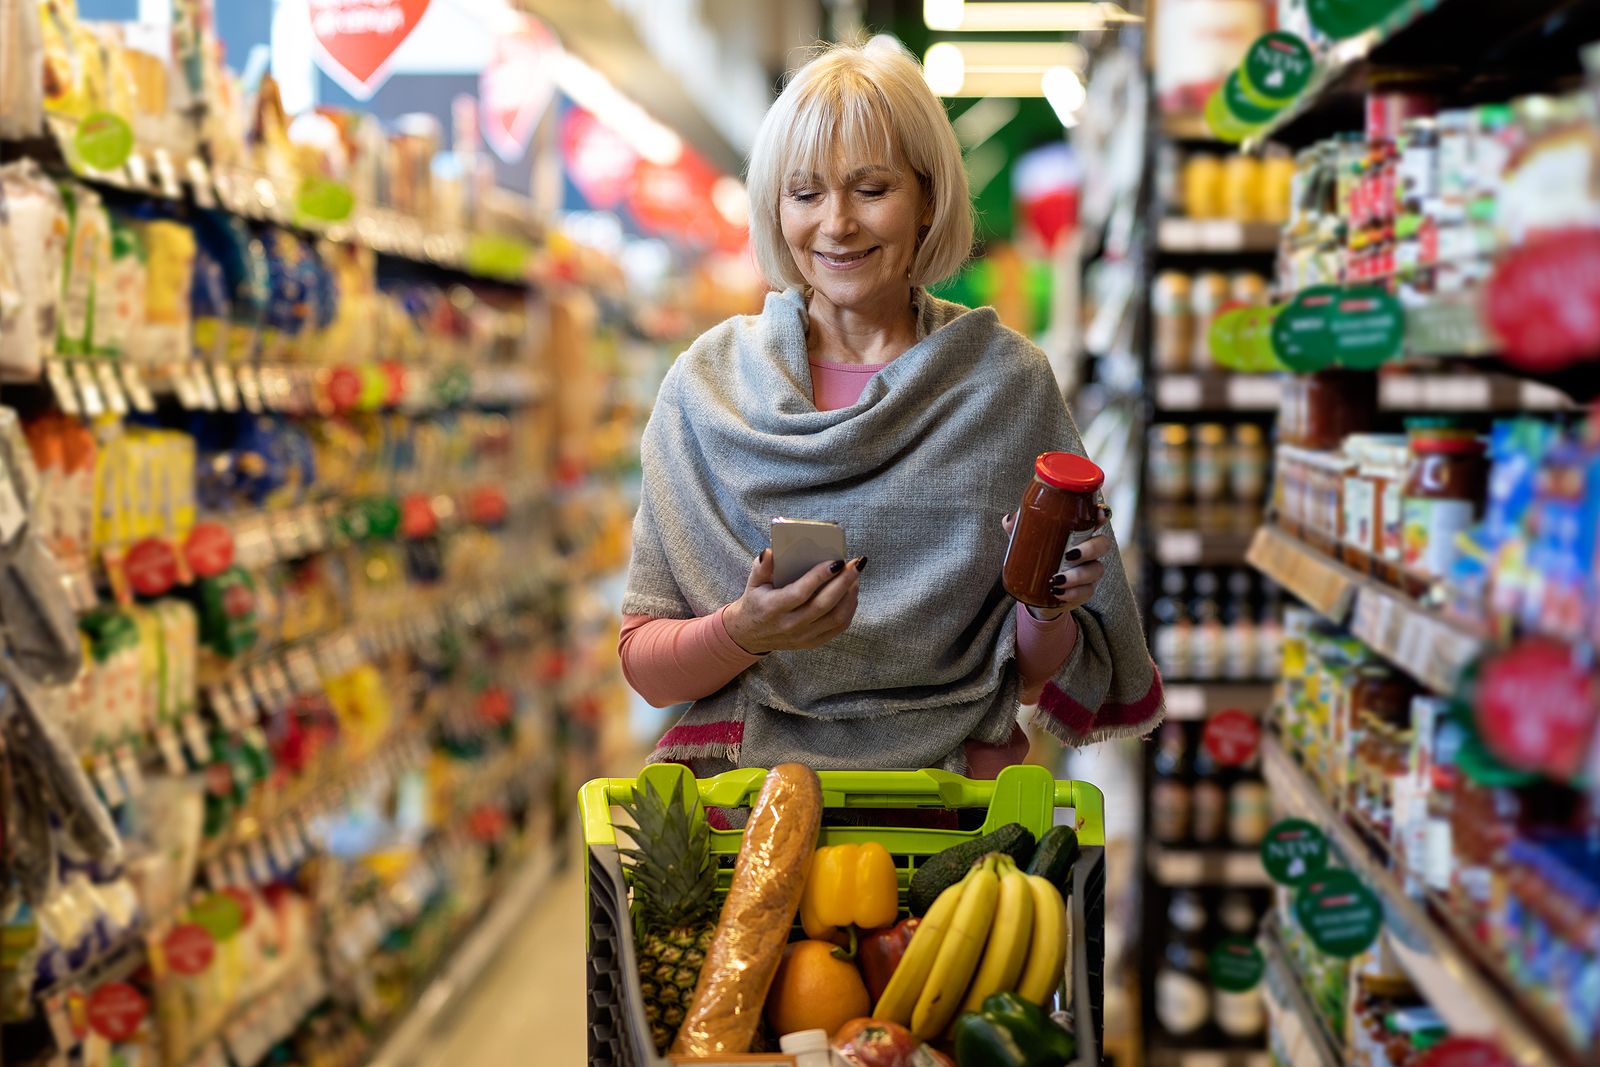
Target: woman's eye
column 873, row 192
column 803, row 197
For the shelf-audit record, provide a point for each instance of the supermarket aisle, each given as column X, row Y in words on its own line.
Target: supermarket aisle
column 531, row 997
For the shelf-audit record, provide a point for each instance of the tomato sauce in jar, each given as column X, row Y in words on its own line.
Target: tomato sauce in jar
column 1060, row 508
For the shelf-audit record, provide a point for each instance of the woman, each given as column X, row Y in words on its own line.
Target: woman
column 914, row 423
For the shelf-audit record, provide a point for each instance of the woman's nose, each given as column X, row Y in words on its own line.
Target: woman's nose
column 840, row 219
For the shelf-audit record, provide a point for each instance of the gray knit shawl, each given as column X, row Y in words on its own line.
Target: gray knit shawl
column 919, row 472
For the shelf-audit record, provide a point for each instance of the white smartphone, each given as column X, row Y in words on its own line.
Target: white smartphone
column 800, row 544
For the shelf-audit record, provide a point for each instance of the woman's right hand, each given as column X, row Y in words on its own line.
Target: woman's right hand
column 807, row 613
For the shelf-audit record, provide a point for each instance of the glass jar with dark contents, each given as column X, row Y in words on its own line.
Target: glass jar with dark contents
column 1060, row 508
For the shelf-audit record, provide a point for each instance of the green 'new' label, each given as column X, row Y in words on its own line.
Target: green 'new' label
column 324, row 200
column 1340, row 915
column 1222, row 336
column 1346, row 18
column 1232, row 115
column 1236, row 965
column 1367, row 328
column 1255, row 340
column 1293, row 851
column 1275, row 70
column 104, row 141
column 218, row 915
column 1301, row 338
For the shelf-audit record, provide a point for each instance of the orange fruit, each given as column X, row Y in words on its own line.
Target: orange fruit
column 815, row 990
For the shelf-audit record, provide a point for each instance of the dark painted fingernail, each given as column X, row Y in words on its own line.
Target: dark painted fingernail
column 861, row 564
column 1058, row 583
column 1074, row 553
column 838, row 565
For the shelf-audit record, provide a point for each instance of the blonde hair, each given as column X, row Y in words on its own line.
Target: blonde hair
column 864, row 101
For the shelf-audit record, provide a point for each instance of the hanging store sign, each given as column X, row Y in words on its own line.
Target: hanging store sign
column 517, row 86
column 356, row 39
column 1293, row 851
column 1232, row 737
column 115, row 1011
column 600, row 162
column 1536, row 709
column 1346, row 18
column 1236, row 965
column 1367, row 328
column 675, row 199
column 1340, row 915
column 1275, row 70
column 1301, row 337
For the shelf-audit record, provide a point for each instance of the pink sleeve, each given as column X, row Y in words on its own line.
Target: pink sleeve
column 670, row 661
column 1042, row 647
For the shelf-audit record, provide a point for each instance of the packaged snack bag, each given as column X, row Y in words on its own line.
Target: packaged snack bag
column 164, row 335
column 119, row 292
column 33, row 237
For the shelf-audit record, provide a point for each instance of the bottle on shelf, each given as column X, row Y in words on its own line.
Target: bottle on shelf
column 1209, row 820
column 1173, row 634
column 1269, row 634
column 1206, row 612
column 1182, row 987
column 1241, row 1017
column 1240, row 660
column 1172, row 792
column 1249, row 808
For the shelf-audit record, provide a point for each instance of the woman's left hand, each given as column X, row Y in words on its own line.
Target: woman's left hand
column 1081, row 570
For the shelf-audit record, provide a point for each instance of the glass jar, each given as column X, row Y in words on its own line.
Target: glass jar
column 1384, row 465
column 1443, row 496
column 1169, row 462
column 1241, row 188
column 1060, row 508
column 1202, row 187
column 1207, row 296
column 1210, row 463
column 1170, row 304
column 1247, row 470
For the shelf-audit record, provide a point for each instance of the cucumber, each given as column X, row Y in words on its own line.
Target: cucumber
column 1053, row 860
column 944, row 869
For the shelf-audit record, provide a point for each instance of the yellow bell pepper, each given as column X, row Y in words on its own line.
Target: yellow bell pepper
column 849, row 885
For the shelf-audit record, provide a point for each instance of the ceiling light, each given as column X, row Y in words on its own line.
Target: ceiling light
column 593, row 92
column 945, row 69
column 1011, row 16
column 1065, row 92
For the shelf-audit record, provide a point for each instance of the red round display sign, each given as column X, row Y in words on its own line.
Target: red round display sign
column 209, row 549
column 1466, row 1052
column 115, row 1011
column 417, row 517
column 1544, row 299
column 344, row 388
column 189, row 948
column 152, row 567
column 1536, row 709
column 1232, row 737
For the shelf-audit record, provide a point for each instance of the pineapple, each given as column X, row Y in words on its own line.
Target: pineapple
column 674, row 902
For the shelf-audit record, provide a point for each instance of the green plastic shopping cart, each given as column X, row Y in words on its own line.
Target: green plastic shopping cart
column 619, row 1036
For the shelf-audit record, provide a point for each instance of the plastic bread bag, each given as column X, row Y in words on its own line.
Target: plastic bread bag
column 21, row 70
column 63, row 789
column 33, row 236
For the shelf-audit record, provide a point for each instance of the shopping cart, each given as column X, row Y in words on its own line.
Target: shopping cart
column 618, row 1033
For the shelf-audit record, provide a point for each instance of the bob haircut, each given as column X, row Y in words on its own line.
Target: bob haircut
column 870, row 104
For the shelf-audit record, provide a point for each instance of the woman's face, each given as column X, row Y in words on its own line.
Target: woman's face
column 853, row 233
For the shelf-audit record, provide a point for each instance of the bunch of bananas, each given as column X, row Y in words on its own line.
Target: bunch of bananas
column 997, row 930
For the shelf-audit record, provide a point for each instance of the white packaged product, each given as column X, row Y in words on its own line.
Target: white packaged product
column 33, row 235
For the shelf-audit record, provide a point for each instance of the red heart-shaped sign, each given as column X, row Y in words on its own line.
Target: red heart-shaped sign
column 356, row 39
column 516, row 87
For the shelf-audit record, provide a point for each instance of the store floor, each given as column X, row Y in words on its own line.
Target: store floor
column 529, row 1005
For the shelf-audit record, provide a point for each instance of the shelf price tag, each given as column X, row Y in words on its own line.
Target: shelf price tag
column 138, row 392
column 105, row 776
column 171, row 751
column 1294, row 851
column 227, row 387
column 1340, row 914
column 129, row 770
column 61, row 387
column 249, row 388
column 88, row 389
column 1236, row 965
column 111, row 387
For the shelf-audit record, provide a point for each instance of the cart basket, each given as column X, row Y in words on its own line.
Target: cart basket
column 619, row 1035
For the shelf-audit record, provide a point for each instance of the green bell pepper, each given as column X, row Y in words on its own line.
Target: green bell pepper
column 1012, row 1032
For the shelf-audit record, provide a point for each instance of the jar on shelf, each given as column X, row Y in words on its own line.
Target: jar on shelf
column 1242, row 192
column 1202, row 187
column 1171, row 307
column 1207, row 295
column 1247, row 468
column 1277, row 186
column 1446, row 484
column 1169, row 462
column 1210, row 477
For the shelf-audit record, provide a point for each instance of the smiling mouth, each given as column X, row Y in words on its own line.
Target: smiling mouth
column 845, row 261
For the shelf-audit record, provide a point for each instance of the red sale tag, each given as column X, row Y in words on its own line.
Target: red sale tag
column 417, row 517
column 1231, row 737
column 115, row 1011
column 356, row 39
column 1537, row 709
column 1466, row 1052
column 152, row 567
column 344, row 388
column 209, row 549
column 189, row 948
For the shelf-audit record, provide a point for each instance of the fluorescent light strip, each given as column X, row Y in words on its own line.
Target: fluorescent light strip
column 593, row 92
column 1009, row 16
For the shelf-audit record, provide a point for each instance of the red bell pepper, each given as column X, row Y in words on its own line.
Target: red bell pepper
column 880, row 954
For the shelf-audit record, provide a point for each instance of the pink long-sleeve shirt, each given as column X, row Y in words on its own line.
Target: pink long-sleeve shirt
column 671, row 661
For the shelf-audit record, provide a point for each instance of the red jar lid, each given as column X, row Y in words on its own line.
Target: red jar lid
column 1064, row 470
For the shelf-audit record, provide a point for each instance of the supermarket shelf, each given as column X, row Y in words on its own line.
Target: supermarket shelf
column 468, row 963
column 1196, row 700
column 1200, row 548
column 1199, row 1057
column 1473, row 1001
column 1191, row 866
column 1221, row 236
column 1418, row 641
column 1300, row 1027
column 1467, row 392
column 1453, row 40
column 1187, row 126
column 1221, row 391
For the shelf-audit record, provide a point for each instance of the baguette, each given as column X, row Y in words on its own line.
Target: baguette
column 756, row 917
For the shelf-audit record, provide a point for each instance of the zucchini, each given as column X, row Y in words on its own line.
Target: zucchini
column 944, row 869
column 1053, row 860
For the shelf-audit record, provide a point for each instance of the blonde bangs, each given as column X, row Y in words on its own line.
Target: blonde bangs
column 853, row 106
